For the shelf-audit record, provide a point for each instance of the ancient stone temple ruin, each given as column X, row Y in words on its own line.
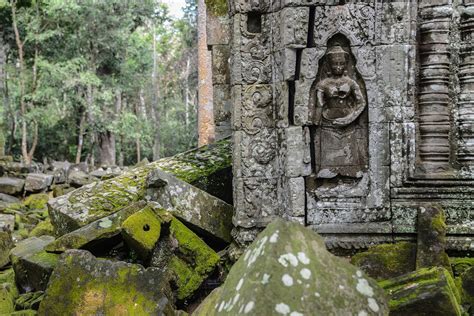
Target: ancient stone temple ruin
column 348, row 116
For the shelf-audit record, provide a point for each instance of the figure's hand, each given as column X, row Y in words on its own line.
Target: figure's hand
column 342, row 121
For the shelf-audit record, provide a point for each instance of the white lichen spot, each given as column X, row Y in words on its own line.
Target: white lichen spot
column 265, row 278
column 373, row 305
column 288, row 258
column 287, row 280
column 341, row 287
column 317, row 294
column 221, row 306
column 236, row 298
column 359, row 273
column 362, row 313
column 274, row 237
column 296, row 314
column 303, row 258
column 257, row 251
column 249, row 307
column 282, row 308
column 239, row 285
column 364, row 288
column 105, row 223
column 305, row 273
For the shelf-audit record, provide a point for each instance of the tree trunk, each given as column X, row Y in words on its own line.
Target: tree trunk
column 186, row 92
column 118, row 110
column 80, row 138
column 3, row 92
column 154, row 103
column 205, row 106
column 107, row 148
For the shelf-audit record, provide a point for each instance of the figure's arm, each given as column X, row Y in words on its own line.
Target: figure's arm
column 319, row 106
column 359, row 107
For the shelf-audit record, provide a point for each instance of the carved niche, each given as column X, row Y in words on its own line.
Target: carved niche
column 338, row 109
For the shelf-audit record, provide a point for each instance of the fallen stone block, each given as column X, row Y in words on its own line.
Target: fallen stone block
column 7, row 222
column 32, row 265
column 428, row 291
column 106, row 227
column 6, row 244
column 37, row 182
column 99, row 199
column 191, row 205
column 184, row 255
column 78, row 178
column 387, row 260
column 8, row 198
column 83, row 284
column 288, row 271
column 11, row 186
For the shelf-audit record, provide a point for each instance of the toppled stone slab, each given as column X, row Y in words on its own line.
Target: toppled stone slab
column 33, row 265
column 99, row 199
column 423, row 292
column 8, row 198
column 288, row 271
column 83, row 284
column 387, row 261
column 103, row 228
column 191, row 204
column 37, row 182
column 11, row 186
column 187, row 258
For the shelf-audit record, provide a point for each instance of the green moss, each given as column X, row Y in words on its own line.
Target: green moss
column 141, row 231
column 45, row 259
column 43, row 228
column 194, row 260
column 460, row 265
column 387, row 260
column 6, row 301
column 439, row 223
column 217, row 7
column 37, row 201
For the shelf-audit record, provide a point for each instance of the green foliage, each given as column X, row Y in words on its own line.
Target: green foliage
column 95, row 59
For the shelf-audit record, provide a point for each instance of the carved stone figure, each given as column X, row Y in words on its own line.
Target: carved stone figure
column 341, row 147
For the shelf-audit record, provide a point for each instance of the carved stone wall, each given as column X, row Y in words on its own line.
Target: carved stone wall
column 348, row 115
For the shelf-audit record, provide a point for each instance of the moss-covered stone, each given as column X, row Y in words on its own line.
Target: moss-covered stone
column 188, row 259
column 29, row 300
column 37, row 201
column 467, row 287
column 42, row 228
column 7, row 301
column 288, row 271
column 459, row 265
column 82, row 284
column 217, row 7
column 387, row 261
column 431, row 241
column 6, row 244
column 103, row 228
column 428, row 291
column 27, row 312
column 141, row 231
column 99, row 199
column 32, row 264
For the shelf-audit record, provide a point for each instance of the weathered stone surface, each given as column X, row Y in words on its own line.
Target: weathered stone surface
column 201, row 167
column 84, row 284
column 287, row 270
column 7, row 222
column 6, row 244
column 32, row 265
column 11, row 186
column 191, row 204
column 387, row 260
column 184, row 255
column 78, row 178
column 102, row 228
column 460, row 265
column 431, row 242
column 423, row 292
column 36, row 182
column 8, row 198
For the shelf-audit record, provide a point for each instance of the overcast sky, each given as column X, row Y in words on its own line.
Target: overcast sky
column 176, row 7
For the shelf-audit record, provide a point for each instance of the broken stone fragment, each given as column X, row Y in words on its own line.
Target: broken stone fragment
column 7, row 222
column 12, row 186
column 427, row 291
column 100, row 229
column 288, row 271
column 33, row 265
column 37, row 182
column 191, row 205
column 99, row 199
column 387, row 260
column 431, row 240
column 83, row 284
column 188, row 259
column 141, row 231
column 6, row 244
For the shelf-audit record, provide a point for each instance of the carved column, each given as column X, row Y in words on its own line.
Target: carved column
column 466, row 84
column 433, row 100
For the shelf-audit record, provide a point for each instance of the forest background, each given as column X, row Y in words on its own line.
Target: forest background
column 103, row 82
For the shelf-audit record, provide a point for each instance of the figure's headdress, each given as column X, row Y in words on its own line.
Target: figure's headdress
column 337, row 51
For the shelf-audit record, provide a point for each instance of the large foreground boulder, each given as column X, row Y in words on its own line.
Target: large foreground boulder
column 84, row 285
column 99, row 199
column 288, row 271
column 428, row 291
